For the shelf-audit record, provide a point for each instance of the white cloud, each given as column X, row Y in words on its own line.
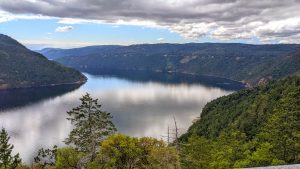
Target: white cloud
column 193, row 30
column 49, row 42
column 73, row 21
column 221, row 19
column 64, row 28
column 160, row 39
column 6, row 16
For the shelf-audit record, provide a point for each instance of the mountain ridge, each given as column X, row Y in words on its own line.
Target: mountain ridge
column 235, row 61
column 23, row 68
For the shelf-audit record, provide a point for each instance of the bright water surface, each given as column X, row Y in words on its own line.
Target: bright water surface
column 141, row 105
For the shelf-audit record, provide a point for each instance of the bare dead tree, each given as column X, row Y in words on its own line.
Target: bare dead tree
column 176, row 134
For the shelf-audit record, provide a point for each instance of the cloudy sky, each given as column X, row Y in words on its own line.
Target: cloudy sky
column 72, row 23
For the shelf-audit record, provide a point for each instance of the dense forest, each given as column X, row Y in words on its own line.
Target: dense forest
column 251, row 64
column 253, row 127
column 21, row 67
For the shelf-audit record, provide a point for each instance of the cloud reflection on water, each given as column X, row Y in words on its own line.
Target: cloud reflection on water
column 139, row 109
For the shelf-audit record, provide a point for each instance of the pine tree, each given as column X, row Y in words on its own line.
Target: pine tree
column 7, row 161
column 46, row 157
column 91, row 126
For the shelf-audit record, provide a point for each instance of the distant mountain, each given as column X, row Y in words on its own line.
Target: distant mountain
column 22, row 68
column 252, row 64
column 56, row 53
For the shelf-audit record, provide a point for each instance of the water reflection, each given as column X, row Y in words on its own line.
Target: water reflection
column 140, row 108
column 167, row 78
column 22, row 97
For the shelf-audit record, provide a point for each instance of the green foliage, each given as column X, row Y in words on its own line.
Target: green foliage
column 263, row 156
column 163, row 158
column 21, row 67
column 253, row 127
column 196, row 153
column 124, row 152
column 22, row 166
column 68, row 158
column 227, row 149
column 7, row 160
column 91, row 126
column 121, row 151
column 247, row 110
column 46, row 157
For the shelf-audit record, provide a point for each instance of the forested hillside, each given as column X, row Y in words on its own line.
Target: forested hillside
column 252, row 64
column 253, row 127
column 20, row 67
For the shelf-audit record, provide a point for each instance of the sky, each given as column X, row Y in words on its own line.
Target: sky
column 75, row 23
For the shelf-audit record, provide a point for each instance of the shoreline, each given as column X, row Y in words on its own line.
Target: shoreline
column 100, row 71
column 195, row 74
column 80, row 82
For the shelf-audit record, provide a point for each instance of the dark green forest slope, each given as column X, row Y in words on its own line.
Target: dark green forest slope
column 20, row 67
column 241, row 62
column 252, row 127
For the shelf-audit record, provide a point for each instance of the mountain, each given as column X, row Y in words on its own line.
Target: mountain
column 23, row 68
column 252, row 127
column 56, row 53
column 248, row 109
column 242, row 62
column 285, row 65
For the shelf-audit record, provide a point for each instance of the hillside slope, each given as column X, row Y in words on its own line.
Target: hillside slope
column 56, row 53
column 286, row 65
column 241, row 62
column 20, row 68
column 259, row 126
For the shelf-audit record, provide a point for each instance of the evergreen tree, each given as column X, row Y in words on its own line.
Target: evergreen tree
column 7, row 161
column 46, row 157
column 91, row 126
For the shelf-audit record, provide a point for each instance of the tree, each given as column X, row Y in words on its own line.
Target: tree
column 91, row 126
column 196, row 153
column 227, row 149
column 7, row 160
column 163, row 158
column 282, row 130
column 123, row 152
column 22, row 166
column 263, row 156
column 67, row 158
column 46, row 157
column 146, row 144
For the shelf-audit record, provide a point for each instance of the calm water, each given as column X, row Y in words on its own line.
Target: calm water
column 142, row 105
